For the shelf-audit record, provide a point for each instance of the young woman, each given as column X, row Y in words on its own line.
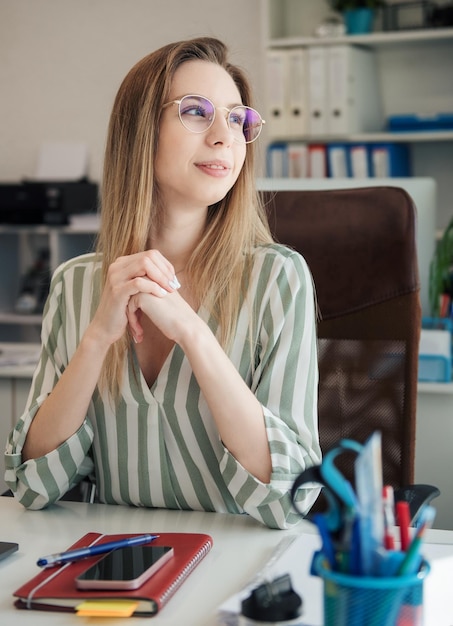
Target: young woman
column 179, row 361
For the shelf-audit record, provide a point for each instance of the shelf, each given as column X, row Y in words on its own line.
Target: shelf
column 438, row 388
column 44, row 229
column 16, row 318
column 428, row 36
column 382, row 137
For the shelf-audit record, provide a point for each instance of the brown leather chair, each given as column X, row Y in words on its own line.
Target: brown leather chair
column 360, row 246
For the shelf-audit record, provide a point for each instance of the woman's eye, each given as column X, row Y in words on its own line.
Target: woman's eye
column 236, row 119
column 194, row 111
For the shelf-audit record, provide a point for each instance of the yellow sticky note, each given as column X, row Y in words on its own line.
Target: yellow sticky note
column 106, row 608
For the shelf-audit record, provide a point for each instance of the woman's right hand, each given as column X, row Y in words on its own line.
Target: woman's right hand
column 144, row 272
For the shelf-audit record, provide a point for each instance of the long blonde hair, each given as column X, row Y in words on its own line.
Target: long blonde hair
column 130, row 192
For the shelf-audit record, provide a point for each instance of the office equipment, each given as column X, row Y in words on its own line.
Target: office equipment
column 411, row 561
column 353, row 94
column 297, row 159
column 370, row 601
column 317, row 87
column 317, row 160
column 338, row 161
column 436, row 353
column 55, row 589
column 277, row 80
column 297, row 104
column 218, row 580
column 389, row 160
column 359, row 157
column 93, row 550
column 46, row 202
column 422, row 190
column 277, row 160
column 361, row 248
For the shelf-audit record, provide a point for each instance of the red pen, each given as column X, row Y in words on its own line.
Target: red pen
column 403, row 519
column 388, row 502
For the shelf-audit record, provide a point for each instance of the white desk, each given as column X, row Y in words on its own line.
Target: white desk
column 241, row 548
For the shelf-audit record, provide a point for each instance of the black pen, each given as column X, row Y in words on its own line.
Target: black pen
column 100, row 548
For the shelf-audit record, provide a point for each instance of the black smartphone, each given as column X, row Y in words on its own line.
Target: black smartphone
column 124, row 568
column 7, row 548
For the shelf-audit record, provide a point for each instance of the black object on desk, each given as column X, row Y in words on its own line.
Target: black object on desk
column 46, row 202
column 273, row 602
column 7, row 548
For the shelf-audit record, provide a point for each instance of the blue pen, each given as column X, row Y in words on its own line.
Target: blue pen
column 101, row 548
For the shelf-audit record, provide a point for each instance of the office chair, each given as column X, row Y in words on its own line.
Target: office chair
column 360, row 247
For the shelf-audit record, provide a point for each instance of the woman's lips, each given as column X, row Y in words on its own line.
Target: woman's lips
column 218, row 169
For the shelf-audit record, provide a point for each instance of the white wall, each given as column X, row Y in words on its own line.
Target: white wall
column 61, row 63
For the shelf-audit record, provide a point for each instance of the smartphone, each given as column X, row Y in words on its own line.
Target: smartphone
column 6, row 549
column 125, row 568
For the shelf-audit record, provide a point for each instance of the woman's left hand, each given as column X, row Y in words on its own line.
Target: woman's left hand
column 170, row 313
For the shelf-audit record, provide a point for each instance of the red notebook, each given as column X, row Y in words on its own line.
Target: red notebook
column 54, row 588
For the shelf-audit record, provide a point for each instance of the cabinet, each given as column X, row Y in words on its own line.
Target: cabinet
column 14, row 388
column 415, row 75
column 19, row 247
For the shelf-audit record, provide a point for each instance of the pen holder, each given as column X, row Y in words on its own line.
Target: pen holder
column 370, row 601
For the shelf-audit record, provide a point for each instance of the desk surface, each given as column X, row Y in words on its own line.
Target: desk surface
column 241, row 548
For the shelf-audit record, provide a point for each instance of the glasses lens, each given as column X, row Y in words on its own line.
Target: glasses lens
column 247, row 121
column 196, row 113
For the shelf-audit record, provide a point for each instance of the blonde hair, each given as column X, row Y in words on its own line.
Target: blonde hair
column 130, row 192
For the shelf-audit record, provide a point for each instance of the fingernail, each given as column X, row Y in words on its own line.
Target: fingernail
column 134, row 338
column 163, row 291
column 174, row 283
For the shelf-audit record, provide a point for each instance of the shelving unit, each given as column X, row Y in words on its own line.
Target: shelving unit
column 19, row 246
column 415, row 72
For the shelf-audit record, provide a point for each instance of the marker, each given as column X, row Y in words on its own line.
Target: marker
column 403, row 518
column 411, row 560
column 100, row 548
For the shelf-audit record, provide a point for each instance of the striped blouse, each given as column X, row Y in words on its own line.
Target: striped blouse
column 158, row 446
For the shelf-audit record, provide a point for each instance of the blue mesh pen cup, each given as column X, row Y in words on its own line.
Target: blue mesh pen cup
column 370, row 601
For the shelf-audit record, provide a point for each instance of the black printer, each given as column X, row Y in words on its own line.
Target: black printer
column 32, row 202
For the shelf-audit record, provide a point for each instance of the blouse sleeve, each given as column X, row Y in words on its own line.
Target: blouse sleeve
column 39, row 482
column 285, row 381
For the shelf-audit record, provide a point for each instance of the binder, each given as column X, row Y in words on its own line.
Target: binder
column 338, row 165
column 297, row 160
column 54, row 589
column 317, row 161
column 353, row 92
column 389, row 160
column 317, row 89
column 359, row 158
column 277, row 160
column 277, row 81
column 297, row 111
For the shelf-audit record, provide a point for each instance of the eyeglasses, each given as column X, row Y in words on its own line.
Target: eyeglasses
column 197, row 114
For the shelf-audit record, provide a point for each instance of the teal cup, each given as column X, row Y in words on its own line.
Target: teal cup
column 370, row 601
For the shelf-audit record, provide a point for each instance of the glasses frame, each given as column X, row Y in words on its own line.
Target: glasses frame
column 227, row 117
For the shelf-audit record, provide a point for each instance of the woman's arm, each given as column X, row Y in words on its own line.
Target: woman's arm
column 70, row 397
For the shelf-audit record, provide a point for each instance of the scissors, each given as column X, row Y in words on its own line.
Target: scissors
column 338, row 523
column 338, row 491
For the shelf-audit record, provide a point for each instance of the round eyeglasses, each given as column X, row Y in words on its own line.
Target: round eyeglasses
column 197, row 114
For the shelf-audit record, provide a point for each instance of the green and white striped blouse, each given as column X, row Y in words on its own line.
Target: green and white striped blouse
column 158, row 446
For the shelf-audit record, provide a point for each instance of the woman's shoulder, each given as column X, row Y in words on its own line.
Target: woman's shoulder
column 84, row 267
column 279, row 254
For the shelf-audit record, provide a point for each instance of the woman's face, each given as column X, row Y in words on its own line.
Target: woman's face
column 195, row 170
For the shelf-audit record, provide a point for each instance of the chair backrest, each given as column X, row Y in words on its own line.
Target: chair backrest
column 360, row 246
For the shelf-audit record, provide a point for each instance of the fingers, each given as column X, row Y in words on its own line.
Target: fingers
column 133, row 314
column 151, row 265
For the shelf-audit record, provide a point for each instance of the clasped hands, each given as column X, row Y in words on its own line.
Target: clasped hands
column 141, row 283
